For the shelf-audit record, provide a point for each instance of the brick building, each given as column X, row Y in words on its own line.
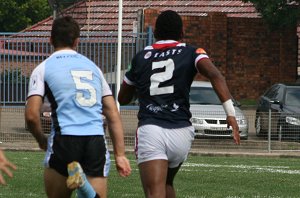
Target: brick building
column 250, row 56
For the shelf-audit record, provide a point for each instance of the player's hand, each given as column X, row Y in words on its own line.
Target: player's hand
column 123, row 166
column 5, row 166
column 43, row 142
column 231, row 121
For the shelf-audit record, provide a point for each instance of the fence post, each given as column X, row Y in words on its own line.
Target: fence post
column 150, row 36
column 0, row 118
column 269, row 128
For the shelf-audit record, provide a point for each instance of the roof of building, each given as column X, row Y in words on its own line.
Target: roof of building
column 102, row 15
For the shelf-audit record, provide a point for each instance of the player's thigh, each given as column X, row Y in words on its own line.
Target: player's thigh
column 99, row 184
column 55, row 184
column 150, row 143
column 179, row 144
column 153, row 175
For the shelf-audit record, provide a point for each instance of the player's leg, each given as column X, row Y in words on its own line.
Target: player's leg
column 55, row 184
column 178, row 146
column 78, row 180
column 54, row 179
column 152, row 160
column 169, row 184
column 153, row 176
column 96, row 164
column 100, row 185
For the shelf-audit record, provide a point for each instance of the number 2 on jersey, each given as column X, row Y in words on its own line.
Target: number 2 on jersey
column 160, row 77
column 80, row 86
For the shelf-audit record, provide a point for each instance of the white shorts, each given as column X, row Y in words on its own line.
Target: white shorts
column 154, row 142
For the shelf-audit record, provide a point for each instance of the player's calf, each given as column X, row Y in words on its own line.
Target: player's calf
column 77, row 180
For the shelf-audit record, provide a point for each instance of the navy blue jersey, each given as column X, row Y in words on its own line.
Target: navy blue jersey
column 162, row 74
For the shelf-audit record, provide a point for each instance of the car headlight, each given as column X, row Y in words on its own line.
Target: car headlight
column 46, row 114
column 292, row 120
column 197, row 121
column 242, row 121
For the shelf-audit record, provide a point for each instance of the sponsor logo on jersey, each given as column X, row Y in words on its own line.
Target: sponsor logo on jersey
column 200, row 51
column 147, row 55
column 34, row 85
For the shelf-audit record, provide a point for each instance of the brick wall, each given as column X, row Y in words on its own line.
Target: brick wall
column 250, row 56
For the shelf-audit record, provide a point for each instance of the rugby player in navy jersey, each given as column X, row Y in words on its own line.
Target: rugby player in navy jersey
column 161, row 76
column 76, row 152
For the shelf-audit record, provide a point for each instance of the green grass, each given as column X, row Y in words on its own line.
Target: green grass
column 200, row 177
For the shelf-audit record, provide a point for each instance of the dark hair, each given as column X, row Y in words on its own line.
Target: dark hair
column 65, row 30
column 168, row 26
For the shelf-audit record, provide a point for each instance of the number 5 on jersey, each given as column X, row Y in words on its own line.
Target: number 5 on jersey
column 81, row 86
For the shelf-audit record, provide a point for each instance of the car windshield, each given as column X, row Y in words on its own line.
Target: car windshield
column 292, row 97
column 204, row 95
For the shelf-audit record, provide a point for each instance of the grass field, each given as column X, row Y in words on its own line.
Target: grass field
column 200, row 177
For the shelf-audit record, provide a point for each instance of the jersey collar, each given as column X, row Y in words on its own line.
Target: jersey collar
column 163, row 44
column 65, row 51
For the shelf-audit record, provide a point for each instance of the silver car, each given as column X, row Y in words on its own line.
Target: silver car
column 208, row 115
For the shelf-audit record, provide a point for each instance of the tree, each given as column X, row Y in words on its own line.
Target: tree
column 278, row 13
column 18, row 15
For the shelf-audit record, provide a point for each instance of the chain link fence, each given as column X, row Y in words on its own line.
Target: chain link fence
column 284, row 137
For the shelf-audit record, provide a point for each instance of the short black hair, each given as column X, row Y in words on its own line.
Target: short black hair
column 65, row 30
column 168, row 26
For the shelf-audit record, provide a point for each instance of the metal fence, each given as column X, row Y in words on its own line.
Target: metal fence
column 20, row 53
column 15, row 136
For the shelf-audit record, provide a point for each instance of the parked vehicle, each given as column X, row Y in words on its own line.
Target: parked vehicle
column 46, row 116
column 208, row 115
column 282, row 101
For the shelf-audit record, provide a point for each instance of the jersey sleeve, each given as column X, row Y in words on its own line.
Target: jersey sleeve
column 36, row 82
column 200, row 54
column 106, row 91
column 129, row 75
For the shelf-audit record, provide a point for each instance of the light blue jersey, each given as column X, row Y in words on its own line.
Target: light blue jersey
column 74, row 86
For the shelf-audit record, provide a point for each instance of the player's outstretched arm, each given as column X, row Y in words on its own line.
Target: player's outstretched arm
column 32, row 117
column 5, row 167
column 116, row 132
column 208, row 69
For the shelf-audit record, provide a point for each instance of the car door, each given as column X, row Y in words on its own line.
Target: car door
column 262, row 112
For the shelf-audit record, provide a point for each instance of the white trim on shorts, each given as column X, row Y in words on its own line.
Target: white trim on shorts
column 154, row 142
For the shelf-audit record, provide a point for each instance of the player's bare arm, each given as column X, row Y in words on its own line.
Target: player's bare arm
column 126, row 94
column 32, row 117
column 208, row 69
column 115, row 129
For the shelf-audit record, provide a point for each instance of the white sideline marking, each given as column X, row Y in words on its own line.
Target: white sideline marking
column 271, row 169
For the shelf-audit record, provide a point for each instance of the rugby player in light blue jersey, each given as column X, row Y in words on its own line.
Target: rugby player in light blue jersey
column 76, row 152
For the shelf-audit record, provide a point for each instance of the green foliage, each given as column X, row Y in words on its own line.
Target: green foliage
column 278, row 14
column 13, row 76
column 18, row 15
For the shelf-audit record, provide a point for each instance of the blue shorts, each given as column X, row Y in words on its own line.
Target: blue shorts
column 90, row 151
